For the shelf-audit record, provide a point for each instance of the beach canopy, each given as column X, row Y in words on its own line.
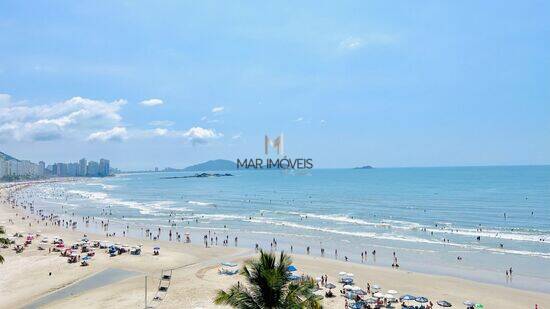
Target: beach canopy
column 228, row 264
column 330, row 286
column 370, row 300
column 378, row 295
column 421, row 299
column 469, row 303
column 292, row 268
column 408, row 297
column 444, row 303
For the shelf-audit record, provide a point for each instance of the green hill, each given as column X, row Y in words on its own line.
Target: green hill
column 213, row 165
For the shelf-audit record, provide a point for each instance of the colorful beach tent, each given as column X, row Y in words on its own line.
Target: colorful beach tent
column 292, row 268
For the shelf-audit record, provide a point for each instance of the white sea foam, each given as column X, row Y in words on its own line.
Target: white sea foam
column 445, row 227
column 198, row 203
column 152, row 208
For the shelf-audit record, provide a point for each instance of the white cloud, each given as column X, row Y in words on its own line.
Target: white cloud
column 354, row 42
column 218, row 109
column 299, row 119
column 152, row 102
column 237, row 136
column 116, row 134
column 160, row 131
column 198, row 135
column 5, row 98
column 162, row 123
column 351, row 43
column 74, row 117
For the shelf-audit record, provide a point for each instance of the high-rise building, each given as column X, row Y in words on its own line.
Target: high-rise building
column 82, row 167
column 61, row 169
column 72, row 169
column 41, row 168
column 104, row 167
column 93, row 169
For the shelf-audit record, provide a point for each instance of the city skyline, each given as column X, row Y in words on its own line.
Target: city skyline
column 12, row 168
column 440, row 84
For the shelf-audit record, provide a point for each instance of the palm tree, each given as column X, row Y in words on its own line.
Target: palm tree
column 3, row 241
column 269, row 287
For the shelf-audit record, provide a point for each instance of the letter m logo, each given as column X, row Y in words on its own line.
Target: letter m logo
column 277, row 143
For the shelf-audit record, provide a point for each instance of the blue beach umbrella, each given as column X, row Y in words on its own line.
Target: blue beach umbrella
column 292, row 268
column 86, row 258
column 408, row 297
column 421, row 299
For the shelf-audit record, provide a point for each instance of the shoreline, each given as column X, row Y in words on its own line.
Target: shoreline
column 433, row 286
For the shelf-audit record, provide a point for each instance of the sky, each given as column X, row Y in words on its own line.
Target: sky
column 348, row 83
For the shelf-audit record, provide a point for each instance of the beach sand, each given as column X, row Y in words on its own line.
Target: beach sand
column 24, row 278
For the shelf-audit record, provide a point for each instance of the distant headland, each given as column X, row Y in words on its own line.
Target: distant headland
column 366, row 167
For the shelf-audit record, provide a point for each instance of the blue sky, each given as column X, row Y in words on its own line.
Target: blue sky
column 386, row 83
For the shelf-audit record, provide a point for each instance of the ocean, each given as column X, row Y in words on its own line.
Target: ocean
column 428, row 216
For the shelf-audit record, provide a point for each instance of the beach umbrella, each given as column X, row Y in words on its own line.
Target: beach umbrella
column 347, row 287
column 392, row 292
column 444, row 303
column 469, row 303
column 330, row 286
column 347, row 280
column 292, row 268
column 408, row 297
column 294, row 277
column 342, row 273
column 479, row 306
column 228, row 264
column 375, row 287
column 378, row 295
column 421, row 299
column 156, row 248
column 86, row 258
column 389, row 296
column 370, row 300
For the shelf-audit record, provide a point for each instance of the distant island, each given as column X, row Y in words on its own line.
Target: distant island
column 212, row 165
column 366, row 167
column 201, row 175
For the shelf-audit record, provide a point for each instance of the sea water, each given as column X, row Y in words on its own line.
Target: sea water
column 428, row 216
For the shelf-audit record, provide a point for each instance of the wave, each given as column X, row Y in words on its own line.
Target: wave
column 201, row 203
column 385, row 236
column 154, row 208
column 102, row 185
column 348, row 233
column 414, row 226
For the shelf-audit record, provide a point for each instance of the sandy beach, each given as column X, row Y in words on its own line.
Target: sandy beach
column 28, row 277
